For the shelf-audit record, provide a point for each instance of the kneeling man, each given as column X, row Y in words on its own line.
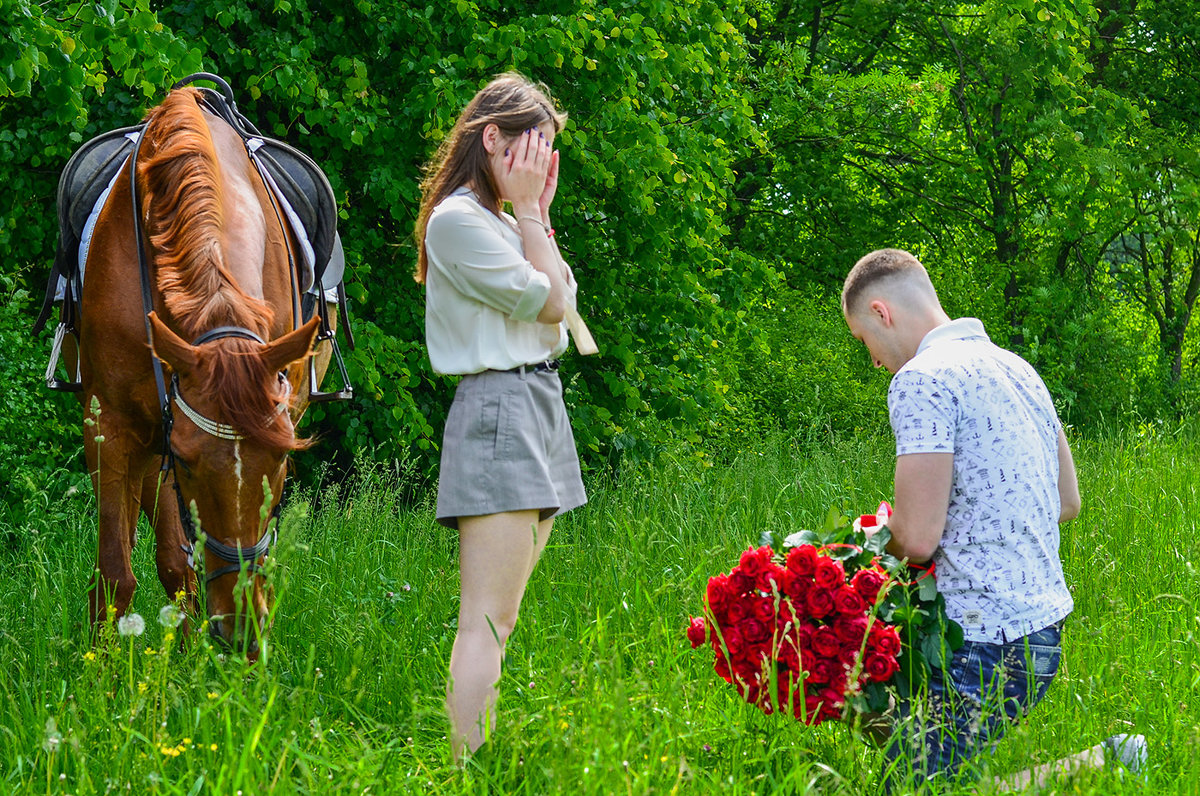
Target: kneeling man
column 984, row 476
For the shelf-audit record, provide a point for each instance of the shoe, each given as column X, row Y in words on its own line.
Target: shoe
column 1128, row 750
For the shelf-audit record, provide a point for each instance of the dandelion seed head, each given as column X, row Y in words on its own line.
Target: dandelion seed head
column 131, row 625
column 170, row 616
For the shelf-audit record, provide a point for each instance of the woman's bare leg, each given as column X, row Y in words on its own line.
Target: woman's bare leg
column 497, row 554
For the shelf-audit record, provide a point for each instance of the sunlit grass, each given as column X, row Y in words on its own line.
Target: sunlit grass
column 601, row 692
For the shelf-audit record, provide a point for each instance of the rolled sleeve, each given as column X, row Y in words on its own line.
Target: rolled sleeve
column 480, row 264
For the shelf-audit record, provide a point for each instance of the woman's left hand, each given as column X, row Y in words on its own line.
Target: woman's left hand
column 550, row 189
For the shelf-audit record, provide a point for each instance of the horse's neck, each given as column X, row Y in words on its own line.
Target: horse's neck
column 244, row 228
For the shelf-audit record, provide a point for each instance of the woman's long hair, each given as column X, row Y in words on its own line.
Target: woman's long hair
column 514, row 104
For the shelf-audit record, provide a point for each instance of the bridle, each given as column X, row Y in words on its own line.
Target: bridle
column 234, row 556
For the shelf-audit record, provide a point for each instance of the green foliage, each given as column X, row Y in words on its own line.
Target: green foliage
column 33, row 480
column 723, row 167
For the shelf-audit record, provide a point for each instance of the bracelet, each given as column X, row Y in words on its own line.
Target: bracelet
column 549, row 230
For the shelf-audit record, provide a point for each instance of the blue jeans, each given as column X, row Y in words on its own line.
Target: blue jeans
column 983, row 689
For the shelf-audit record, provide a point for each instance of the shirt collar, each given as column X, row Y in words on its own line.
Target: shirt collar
column 960, row 329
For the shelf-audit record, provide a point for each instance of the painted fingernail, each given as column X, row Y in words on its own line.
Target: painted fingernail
column 506, row 153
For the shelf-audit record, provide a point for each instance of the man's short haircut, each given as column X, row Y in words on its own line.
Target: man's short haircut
column 879, row 266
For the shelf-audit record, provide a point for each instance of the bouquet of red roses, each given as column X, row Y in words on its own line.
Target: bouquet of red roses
column 828, row 624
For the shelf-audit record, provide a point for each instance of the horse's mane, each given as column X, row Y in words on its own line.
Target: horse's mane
column 179, row 180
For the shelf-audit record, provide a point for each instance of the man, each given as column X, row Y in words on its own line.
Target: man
column 984, row 476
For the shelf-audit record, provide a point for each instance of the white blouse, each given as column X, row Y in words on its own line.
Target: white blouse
column 482, row 297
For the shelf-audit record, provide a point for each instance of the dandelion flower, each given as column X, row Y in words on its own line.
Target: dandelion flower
column 131, row 625
column 170, row 616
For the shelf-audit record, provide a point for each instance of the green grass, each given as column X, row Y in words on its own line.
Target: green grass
column 601, row 692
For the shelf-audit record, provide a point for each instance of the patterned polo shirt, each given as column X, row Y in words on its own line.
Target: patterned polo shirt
column 998, row 564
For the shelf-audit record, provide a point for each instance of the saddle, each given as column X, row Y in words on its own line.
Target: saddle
column 304, row 199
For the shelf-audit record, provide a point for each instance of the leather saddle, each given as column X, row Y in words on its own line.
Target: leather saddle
column 295, row 178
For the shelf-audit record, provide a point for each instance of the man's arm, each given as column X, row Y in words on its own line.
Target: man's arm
column 922, row 498
column 1068, row 484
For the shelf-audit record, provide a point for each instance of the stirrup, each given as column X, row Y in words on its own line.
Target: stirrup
column 314, row 393
column 52, row 379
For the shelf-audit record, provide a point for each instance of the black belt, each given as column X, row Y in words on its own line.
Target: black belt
column 546, row 366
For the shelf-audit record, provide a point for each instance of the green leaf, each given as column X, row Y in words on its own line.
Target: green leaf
column 927, row 588
column 934, row 649
column 954, row 634
column 878, row 543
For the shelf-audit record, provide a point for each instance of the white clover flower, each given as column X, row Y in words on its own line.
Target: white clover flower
column 131, row 625
column 170, row 616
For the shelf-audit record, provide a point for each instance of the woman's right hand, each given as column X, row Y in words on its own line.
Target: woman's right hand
column 521, row 178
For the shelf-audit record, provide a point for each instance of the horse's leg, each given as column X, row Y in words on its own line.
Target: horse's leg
column 162, row 509
column 115, row 476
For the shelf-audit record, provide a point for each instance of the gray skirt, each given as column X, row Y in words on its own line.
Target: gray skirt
column 508, row 446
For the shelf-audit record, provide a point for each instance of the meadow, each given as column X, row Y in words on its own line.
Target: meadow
column 601, row 692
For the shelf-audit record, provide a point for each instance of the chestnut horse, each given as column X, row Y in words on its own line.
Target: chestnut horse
column 218, row 263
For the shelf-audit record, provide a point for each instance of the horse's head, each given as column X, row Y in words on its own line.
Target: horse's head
column 229, row 443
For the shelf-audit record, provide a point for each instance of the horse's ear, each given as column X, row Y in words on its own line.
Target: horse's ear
column 292, row 346
column 170, row 347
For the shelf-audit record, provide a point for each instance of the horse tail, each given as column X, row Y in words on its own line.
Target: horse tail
column 179, row 178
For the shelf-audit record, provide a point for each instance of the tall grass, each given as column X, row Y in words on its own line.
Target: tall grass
column 601, row 692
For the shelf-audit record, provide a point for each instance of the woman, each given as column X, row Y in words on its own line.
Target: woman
column 497, row 290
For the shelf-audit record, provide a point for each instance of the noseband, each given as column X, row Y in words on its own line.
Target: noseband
column 234, row 556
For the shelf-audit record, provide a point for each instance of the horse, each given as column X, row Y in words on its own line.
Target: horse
column 224, row 326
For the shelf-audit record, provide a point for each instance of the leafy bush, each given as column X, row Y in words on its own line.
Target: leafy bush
column 39, row 431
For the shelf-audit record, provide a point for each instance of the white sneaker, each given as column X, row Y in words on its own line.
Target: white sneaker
column 1128, row 750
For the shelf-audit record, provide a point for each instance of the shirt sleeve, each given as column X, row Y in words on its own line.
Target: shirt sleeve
column 923, row 412
column 484, row 266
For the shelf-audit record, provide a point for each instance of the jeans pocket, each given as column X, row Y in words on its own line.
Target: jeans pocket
column 1026, row 672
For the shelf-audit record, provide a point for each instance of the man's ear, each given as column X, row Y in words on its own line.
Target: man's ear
column 879, row 309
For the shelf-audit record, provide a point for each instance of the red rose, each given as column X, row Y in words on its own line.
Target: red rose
column 825, row 643
column 796, row 586
column 736, row 611
column 718, row 594
column 802, row 560
column 880, row 667
column 847, row 656
column 824, row 670
column 868, row 582
column 803, row 635
column 731, row 639
column 850, row 630
column 740, row 582
column 697, row 632
column 829, row 573
column 721, row 667
column 786, row 615
column 754, row 631
column 756, row 560
column 819, row 602
column 763, row 609
column 847, row 601
column 884, row 640
column 788, row 655
column 831, row 703
column 770, row 580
